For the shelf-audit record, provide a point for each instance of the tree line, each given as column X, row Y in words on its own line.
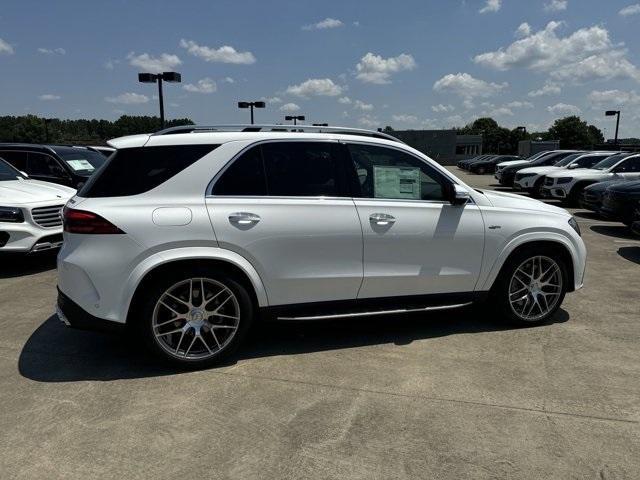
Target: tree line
column 34, row 129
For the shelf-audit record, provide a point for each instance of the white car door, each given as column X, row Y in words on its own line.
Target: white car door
column 628, row 169
column 285, row 207
column 415, row 241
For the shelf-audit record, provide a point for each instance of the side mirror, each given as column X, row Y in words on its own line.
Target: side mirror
column 458, row 195
column 572, row 166
column 26, row 175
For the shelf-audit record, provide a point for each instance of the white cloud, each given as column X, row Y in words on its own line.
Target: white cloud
column 375, row 69
column 491, row 6
column 630, row 10
column 204, row 85
column 519, row 104
column 440, row 108
column 52, row 51
column 228, row 80
column 324, row 24
column 524, row 30
column 563, row 109
column 586, row 54
column 224, row 54
column 468, row 87
column 614, row 98
column 364, row 107
column 369, row 121
column 323, row 87
column 289, row 107
column 48, row 97
column 344, row 100
column 272, row 100
column 548, row 88
column 152, row 64
column 403, row 118
column 111, row 64
column 556, row 5
column 5, row 48
column 128, row 99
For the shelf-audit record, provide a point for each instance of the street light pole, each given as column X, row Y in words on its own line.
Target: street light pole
column 251, row 105
column 171, row 77
column 611, row 113
column 295, row 118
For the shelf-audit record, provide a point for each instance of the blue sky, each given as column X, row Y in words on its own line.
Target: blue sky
column 409, row 64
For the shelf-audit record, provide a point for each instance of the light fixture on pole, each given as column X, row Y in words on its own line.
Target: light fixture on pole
column 171, row 77
column 295, row 118
column 320, row 124
column 251, row 105
column 616, row 113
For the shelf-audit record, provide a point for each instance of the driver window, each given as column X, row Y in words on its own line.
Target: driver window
column 41, row 164
column 389, row 173
column 630, row 165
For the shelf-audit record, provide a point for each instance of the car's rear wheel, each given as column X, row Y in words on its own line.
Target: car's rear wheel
column 531, row 287
column 195, row 319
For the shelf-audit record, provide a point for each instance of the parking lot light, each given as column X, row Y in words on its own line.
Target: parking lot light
column 295, row 118
column 611, row 113
column 251, row 105
column 171, row 77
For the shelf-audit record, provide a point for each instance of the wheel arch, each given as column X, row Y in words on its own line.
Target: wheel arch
column 578, row 186
column 220, row 260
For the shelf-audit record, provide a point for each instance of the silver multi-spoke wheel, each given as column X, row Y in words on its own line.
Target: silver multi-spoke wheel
column 196, row 318
column 535, row 288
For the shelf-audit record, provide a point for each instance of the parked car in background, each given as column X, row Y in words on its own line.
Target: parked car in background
column 620, row 200
column 635, row 226
column 62, row 164
column 188, row 257
column 531, row 179
column 463, row 164
column 568, row 185
column 30, row 212
column 592, row 194
column 502, row 165
column 506, row 176
column 489, row 165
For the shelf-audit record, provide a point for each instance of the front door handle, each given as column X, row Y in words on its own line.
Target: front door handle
column 244, row 218
column 382, row 219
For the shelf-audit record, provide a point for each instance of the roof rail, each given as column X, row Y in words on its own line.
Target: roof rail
column 276, row 128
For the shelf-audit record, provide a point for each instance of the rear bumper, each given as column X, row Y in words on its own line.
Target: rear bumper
column 72, row 315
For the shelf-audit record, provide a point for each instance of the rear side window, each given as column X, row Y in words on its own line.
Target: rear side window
column 131, row 171
column 285, row 169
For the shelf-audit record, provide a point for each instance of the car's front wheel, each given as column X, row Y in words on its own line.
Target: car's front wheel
column 195, row 319
column 531, row 287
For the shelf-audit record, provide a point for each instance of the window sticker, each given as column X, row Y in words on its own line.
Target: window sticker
column 80, row 164
column 396, row 182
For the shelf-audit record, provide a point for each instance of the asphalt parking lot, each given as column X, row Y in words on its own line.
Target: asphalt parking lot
column 456, row 395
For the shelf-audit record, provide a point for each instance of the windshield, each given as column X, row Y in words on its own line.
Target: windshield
column 7, row 172
column 81, row 160
column 609, row 162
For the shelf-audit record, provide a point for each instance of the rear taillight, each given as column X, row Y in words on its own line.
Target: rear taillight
column 89, row 223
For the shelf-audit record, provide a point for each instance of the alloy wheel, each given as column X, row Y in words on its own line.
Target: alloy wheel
column 195, row 319
column 535, row 288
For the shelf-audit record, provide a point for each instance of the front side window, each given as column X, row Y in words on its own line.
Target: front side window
column 15, row 158
column 629, row 165
column 390, row 173
column 41, row 164
column 284, row 169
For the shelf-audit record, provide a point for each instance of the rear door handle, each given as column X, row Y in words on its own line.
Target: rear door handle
column 382, row 219
column 244, row 218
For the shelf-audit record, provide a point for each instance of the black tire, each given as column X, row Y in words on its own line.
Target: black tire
column 499, row 295
column 145, row 328
column 573, row 199
column 536, row 190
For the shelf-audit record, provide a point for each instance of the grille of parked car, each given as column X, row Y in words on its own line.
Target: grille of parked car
column 48, row 216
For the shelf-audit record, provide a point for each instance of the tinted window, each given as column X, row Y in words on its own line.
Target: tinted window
column 132, row 171
column 610, row 161
column 389, row 173
column 42, row 165
column 567, row 160
column 7, row 172
column 285, row 169
column 630, row 165
column 81, row 160
column 15, row 158
column 590, row 161
column 244, row 177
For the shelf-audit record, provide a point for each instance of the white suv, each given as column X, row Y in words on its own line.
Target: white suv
column 190, row 234
column 30, row 212
column 569, row 185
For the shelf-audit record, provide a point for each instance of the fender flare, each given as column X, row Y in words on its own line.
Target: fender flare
column 192, row 253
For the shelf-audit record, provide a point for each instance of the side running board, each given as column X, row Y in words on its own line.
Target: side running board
column 376, row 312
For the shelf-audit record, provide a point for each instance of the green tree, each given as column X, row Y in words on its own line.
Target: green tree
column 495, row 139
column 575, row 133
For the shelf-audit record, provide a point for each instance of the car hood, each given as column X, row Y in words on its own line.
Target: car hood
column 511, row 163
column 627, row 187
column 602, row 186
column 586, row 173
column 539, row 170
column 17, row 192
column 519, row 202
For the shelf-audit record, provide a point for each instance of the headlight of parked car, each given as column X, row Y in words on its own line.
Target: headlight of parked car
column 574, row 225
column 11, row 214
column 564, row 180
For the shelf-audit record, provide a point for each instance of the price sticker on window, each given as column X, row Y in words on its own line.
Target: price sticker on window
column 396, row 182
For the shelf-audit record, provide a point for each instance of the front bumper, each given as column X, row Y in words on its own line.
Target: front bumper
column 553, row 192
column 72, row 315
column 25, row 237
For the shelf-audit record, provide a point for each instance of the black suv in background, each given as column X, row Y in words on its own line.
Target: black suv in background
column 488, row 165
column 507, row 175
column 619, row 202
column 63, row 164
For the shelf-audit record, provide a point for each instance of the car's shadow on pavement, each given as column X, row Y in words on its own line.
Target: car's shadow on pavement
column 14, row 265
column 616, row 231
column 55, row 353
column 630, row 253
column 587, row 215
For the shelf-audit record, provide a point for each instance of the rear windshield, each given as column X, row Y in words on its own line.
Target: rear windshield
column 131, row 171
column 81, row 160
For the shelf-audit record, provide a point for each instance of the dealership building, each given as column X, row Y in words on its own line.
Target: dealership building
column 444, row 146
